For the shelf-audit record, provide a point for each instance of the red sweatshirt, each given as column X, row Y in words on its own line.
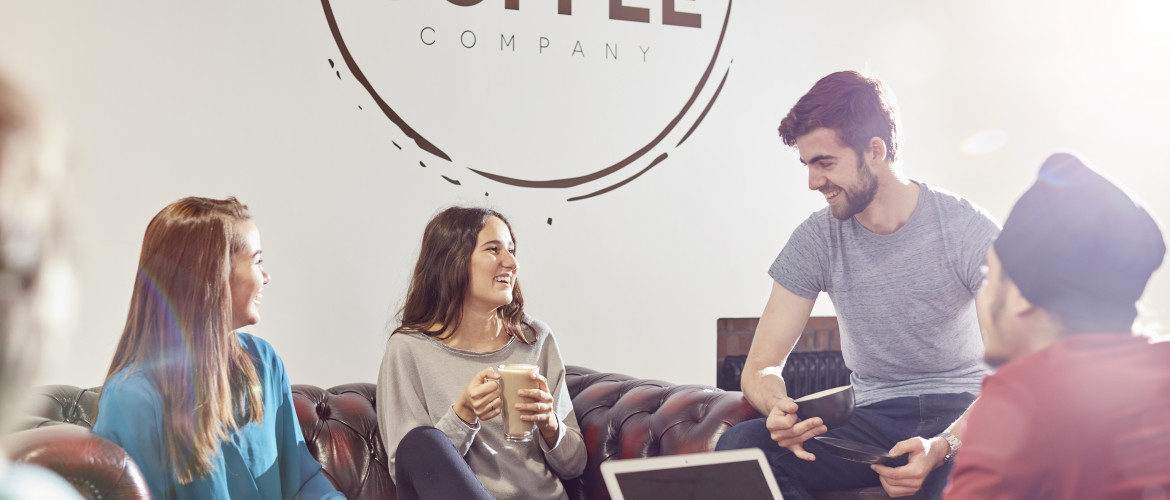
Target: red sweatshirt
column 1087, row 417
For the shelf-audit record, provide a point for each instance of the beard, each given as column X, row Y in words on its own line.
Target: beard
column 857, row 198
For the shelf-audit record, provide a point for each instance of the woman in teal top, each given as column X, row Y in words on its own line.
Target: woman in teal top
column 206, row 412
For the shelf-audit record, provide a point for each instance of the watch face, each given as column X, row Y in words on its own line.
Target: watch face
column 953, row 443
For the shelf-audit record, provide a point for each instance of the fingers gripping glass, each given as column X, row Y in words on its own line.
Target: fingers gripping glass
column 513, row 378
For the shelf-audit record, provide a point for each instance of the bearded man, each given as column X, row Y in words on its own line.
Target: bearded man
column 901, row 262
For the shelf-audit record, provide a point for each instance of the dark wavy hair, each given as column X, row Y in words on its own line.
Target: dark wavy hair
column 856, row 106
column 442, row 276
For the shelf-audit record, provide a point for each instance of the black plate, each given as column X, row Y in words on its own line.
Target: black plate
column 857, row 452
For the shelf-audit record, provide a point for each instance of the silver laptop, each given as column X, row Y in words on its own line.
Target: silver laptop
column 739, row 474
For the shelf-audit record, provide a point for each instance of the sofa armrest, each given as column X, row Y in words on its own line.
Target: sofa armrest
column 97, row 467
column 626, row 417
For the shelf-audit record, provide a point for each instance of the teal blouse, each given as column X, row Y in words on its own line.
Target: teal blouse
column 261, row 461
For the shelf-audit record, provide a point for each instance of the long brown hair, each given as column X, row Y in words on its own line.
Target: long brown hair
column 178, row 331
column 442, row 276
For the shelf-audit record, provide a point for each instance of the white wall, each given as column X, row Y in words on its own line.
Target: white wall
column 165, row 100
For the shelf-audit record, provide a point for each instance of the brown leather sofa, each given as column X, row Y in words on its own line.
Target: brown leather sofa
column 620, row 417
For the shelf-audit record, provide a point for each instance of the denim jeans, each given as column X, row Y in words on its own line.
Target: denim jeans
column 880, row 424
column 429, row 466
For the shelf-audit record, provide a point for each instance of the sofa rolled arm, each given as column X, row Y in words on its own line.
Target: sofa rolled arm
column 94, row 465
column 626, row 417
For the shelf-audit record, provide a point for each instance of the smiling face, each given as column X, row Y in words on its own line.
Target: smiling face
column 493, row 267
column 838, row 172
column 248, row 277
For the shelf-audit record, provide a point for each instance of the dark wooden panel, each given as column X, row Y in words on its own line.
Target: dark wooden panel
column 734, row 336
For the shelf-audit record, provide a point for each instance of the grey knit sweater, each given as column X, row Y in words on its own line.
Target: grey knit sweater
column 421, row 378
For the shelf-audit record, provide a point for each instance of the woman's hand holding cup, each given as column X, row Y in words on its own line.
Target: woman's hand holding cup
column 539, row 409
column 481, row 399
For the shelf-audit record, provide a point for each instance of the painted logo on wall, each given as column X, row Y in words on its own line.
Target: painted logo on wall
column 580, row 96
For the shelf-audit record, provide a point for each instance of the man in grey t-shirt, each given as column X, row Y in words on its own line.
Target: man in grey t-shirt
column 902, row 262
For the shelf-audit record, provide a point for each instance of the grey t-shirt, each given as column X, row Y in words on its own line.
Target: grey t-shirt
column 905, row 300
column 421, row 378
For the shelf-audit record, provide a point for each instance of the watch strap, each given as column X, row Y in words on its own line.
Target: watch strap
column 953, row 443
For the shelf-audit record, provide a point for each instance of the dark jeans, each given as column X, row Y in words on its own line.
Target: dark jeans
column 427, row 465
column 880, row 424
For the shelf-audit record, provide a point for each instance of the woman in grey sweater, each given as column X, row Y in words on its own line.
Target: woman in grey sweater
column 439, row 406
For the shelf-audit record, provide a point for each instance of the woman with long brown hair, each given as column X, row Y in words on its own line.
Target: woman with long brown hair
column 206, row 411
column 438, row 400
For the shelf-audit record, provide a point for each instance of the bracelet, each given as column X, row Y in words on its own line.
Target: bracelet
column 468, row 424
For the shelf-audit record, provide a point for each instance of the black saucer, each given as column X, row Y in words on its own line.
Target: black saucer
column 854, row 451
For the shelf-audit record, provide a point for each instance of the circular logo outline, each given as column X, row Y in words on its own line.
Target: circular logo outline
column 568, row 182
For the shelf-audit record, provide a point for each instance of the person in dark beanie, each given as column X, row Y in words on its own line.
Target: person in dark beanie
column 1079, row 406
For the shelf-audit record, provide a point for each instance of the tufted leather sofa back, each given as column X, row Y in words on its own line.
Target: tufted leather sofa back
column 804, row 372
column 340, row 425
column 626, row 417
column 620, row 417
column 62, row 404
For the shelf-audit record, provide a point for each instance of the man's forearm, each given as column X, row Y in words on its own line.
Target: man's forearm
column 763, row 387
column 780, row 326
column 959, row 426
column 956, row 429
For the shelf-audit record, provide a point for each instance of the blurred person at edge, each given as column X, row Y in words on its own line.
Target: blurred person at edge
column 32, row 271
column 1079, row 406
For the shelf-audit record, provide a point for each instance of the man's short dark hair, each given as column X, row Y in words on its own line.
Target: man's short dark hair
column 858, row 107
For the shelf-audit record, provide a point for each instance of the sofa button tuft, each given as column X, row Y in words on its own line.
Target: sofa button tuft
column 322, row 411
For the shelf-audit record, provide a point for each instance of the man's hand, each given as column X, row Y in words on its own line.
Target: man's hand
column 790, row 432
column 925, row 456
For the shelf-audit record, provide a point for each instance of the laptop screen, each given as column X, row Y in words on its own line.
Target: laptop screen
column 696, row 476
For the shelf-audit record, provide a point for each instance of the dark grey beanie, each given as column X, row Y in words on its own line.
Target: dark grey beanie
column 1079, row 245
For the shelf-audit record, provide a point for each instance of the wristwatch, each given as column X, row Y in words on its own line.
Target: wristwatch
column 954, row 444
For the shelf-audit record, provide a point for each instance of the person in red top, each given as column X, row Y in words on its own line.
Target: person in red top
column 1079, row 406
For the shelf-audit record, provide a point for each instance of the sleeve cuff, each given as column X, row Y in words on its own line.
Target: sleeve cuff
column 560, row 435
column 455, row 428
